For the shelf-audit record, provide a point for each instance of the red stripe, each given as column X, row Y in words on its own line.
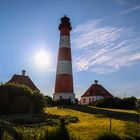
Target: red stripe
column 65, row 31
column 64, row 83
column 64, row 54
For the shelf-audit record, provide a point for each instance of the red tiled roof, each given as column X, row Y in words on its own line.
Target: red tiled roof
column 97, row 90
column 23, row 80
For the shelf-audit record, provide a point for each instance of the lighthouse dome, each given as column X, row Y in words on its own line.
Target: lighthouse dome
column 65, row 18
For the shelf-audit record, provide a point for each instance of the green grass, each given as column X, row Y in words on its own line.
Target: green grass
column 108, row 136
column 94, row 123
column 34, row 133
column 57, row 132
column 117, row 110
column 91, row 125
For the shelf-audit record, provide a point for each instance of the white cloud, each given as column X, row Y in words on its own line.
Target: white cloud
column 104, row 49
column 129, row 10
column 121, row 2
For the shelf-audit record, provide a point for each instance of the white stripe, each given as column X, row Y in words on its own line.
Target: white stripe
column 64, row 41
column 58, row 96
column 64, row 67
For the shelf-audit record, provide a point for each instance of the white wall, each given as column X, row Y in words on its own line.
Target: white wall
column 64, row 67
column 89, row 99
column 67, row 96
column 64, row 41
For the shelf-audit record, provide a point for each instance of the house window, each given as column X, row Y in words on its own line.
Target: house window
column 92, row 99
column 89, row 100
column 91, row 92
column 84, row 100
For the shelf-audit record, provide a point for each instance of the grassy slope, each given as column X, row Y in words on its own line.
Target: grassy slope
column 117, row 110
column 91, row 125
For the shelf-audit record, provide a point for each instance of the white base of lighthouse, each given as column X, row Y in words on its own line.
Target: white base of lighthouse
column 65, row 96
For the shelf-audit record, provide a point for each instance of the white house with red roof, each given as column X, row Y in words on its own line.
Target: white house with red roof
column 94, row 92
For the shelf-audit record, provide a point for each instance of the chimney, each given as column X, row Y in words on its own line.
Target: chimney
column 23, row 72
column 96, row 82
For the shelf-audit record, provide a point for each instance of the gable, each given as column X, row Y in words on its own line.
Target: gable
column 97, row 90
column 23, row 80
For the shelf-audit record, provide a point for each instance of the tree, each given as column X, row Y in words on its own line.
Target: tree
column 138, row 105
column 49, row 100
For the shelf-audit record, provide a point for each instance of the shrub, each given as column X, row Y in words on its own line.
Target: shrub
column 71, row 119
column 62, row 103
column 115, row 102
column 39, row 103
column 49, row 101
column 19, row 99
column 108, row 136
column 138, row 105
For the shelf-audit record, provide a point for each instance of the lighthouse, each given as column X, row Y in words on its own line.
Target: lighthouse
column 64, row 77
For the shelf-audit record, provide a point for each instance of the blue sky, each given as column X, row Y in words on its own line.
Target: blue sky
column 105, row 42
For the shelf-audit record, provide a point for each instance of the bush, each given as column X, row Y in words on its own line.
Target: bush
column 71, row 119
column 19, row 99
column 138, row 105
column 49, row 101
column 108, row 136
column 62, row 103
column 115, row 102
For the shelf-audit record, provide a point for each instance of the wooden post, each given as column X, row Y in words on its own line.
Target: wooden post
column 138, row 109
column 62, row 123
column 62, row 131
column 139, row 124
column 1, row 132
column 110, row 124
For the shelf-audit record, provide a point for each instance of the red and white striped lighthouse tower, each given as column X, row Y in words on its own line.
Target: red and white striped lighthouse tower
column 64, row 77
